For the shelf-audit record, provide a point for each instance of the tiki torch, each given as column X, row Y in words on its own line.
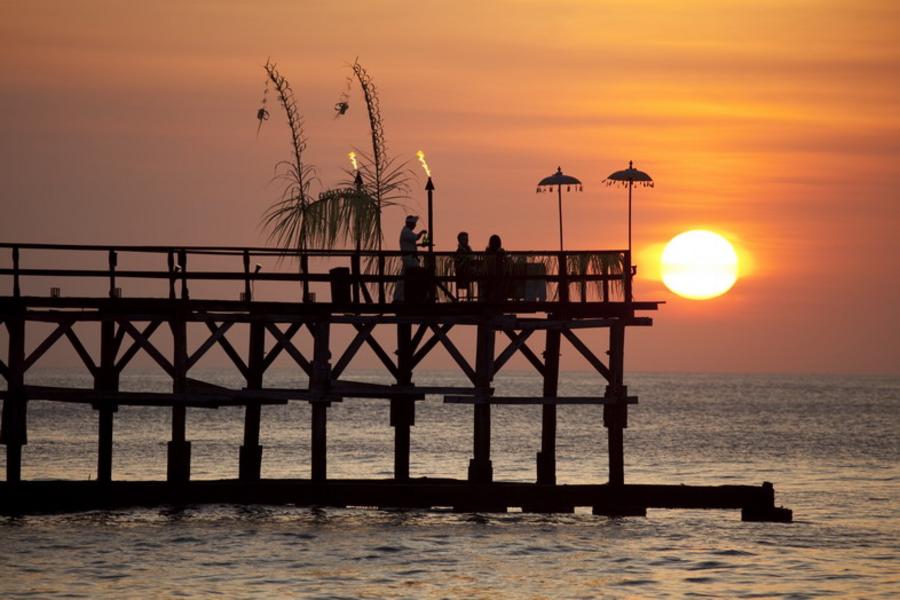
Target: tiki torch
column 429, row 187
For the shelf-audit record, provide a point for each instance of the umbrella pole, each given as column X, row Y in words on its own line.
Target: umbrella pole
column 559, row 193
column 630, row 183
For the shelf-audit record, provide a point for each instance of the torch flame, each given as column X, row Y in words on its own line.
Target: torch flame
column 352, row 156
column 421, row 156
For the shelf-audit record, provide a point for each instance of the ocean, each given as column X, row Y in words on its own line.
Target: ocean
column 829, row 443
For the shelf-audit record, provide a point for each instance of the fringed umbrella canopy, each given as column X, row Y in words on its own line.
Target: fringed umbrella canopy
column 629, row 177
column 559, row 179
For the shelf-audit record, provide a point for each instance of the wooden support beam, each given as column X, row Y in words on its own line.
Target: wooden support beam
column 379, row 352
column 250, row 457
column 403, row 409
column 14, row 423
column 546, row 457
column 354, row 346
column 179, row 449
column 527, row 353
column 586, row 352
column 82, row 352
column 149, row 348
column 273, row 353
column 615, row 416
column 284, row 340
column 106, row 380
column 211, row 341
column 480, row 467
column 538, row 400
column 319, row 383
column 135, row 346
column 236, row 359
column 517, row 342
column 455, row 354
column 42, row 348
column 434, row 340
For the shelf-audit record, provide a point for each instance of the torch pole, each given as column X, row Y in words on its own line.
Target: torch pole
column 429, row 187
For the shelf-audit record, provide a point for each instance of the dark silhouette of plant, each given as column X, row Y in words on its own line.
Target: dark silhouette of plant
column 385, row 180
column 288, row 219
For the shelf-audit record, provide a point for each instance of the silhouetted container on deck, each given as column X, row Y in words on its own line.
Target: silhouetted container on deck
column 340, row 285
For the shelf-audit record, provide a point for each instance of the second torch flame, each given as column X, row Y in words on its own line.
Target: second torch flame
column 421, row 156
column 352, row 156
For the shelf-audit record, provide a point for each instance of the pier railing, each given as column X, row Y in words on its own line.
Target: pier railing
column 337, row 276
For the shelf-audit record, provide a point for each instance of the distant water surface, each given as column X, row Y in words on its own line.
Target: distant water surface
column 830, row 444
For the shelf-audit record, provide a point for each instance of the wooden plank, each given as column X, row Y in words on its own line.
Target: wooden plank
column 595, row 400
column 205, row 399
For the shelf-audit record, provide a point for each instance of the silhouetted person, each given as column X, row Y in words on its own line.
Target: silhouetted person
column 494, row 270
column 463, row 264
column 409, row 246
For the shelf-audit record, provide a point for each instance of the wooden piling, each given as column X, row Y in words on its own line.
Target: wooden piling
column 615, row 415
column 178, row 468
column 250, row 458
column 14, row 427
column 106, row 379
column 546, row 458
column 403, row 408
column 320, row 382
column 480, row 467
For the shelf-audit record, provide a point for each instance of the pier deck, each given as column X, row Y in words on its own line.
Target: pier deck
column 322, row 309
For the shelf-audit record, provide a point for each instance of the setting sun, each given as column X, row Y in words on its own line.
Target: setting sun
column 699, row 265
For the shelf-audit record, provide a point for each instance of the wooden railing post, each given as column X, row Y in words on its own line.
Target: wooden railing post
column 248, row 291
column 356, row 272
column 182, row 262
column 627, row 276
column 170, row 263
column 381, row 293
column 113, row 262
column 17, row 292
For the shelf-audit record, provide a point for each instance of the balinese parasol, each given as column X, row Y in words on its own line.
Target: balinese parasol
column 629, row 177
column 559, row 179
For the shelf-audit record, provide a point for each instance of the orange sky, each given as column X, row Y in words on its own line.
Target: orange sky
column 776, row 123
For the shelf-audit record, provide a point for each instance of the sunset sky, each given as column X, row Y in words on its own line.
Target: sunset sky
column 774, row 123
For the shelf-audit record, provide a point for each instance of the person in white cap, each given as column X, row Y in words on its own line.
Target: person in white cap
column 409, row 242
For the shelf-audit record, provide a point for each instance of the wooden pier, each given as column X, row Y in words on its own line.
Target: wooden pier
column 528, row 304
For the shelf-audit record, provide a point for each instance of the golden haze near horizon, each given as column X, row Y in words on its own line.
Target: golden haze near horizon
column 772, row 123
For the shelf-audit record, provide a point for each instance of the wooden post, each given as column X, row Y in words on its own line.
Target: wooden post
column 179, row 455
column 248, row 289
column 480, row 467
column 546, row 458
column 182, row 262
column 356, row 272
column 403, row 409
column 14, row 425
column 381, row 290
column 615, row 415
column 320, row 381
column 15, row 259
column 170, row 263
column 106, row 380
column 113, row 262
column 304, row 271
column 250, row 459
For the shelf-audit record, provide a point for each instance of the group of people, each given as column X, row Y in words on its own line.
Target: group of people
column 465, row 265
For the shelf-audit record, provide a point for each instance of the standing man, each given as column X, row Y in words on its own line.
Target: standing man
column 409, row 242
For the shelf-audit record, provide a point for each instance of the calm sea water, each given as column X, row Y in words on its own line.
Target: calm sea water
column 830, row 444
